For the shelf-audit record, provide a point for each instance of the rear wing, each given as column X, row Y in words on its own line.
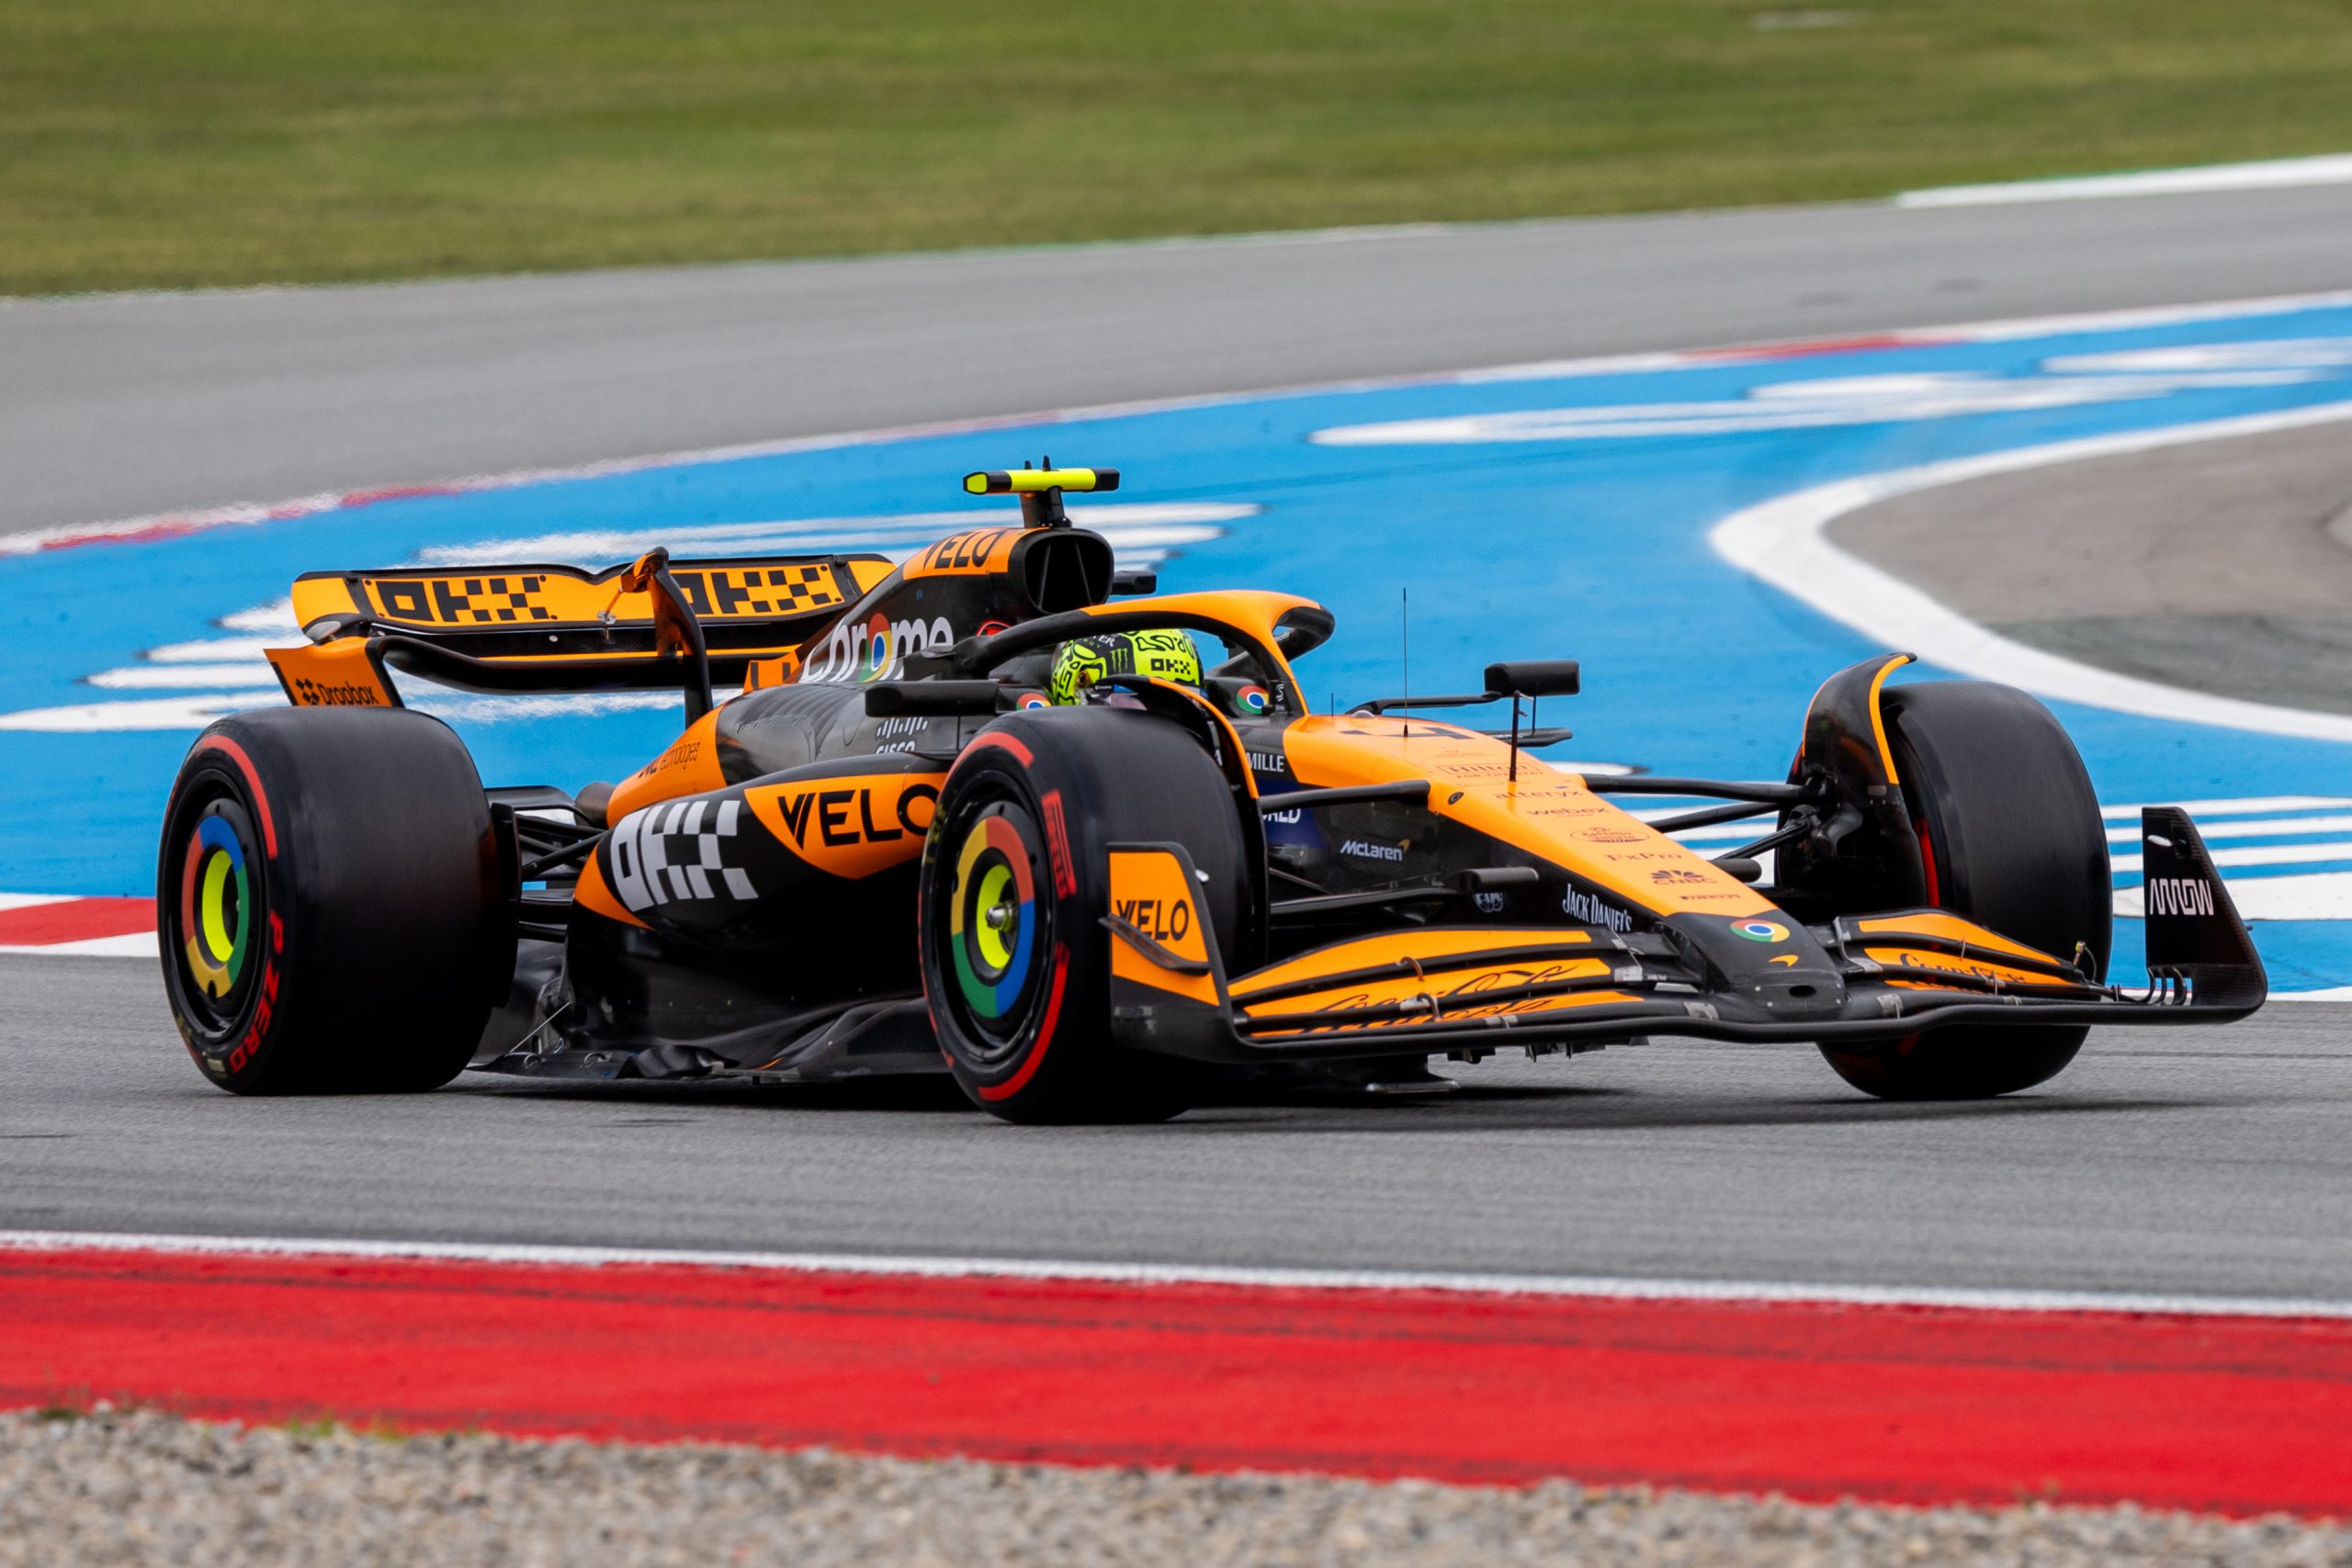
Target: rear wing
column 561, row 628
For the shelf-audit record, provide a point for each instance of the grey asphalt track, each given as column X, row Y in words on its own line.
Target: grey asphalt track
column 124, row 405
column 2208, row 1161
column 2221, row 566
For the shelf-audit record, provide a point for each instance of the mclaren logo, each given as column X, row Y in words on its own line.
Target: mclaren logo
column 1364, row 848
column 2179, row 895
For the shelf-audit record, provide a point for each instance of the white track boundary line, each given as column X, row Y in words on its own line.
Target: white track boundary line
column 244, row 513
column 1785, row 542
column 2272, row 173
column 1563, row 1286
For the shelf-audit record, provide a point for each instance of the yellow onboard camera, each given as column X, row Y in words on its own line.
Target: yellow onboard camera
column 1040, row 490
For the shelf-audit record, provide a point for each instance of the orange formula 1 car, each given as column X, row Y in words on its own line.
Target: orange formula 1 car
column 1000, row 810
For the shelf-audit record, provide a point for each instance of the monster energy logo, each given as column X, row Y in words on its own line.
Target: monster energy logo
column 1168, row 655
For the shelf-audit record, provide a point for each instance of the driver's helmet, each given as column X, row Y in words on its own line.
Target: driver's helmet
column 1077, row 664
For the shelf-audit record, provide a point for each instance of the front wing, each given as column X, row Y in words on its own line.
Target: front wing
column 1471, row 989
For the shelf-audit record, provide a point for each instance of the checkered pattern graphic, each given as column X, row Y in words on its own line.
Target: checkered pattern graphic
column 676, row 852
column 464, row 600
column 757, row 592
column 760, row 590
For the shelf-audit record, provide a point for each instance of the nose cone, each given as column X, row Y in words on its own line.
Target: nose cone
column 1769, row 961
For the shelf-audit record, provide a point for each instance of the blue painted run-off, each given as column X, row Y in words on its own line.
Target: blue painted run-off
column 1584, row 539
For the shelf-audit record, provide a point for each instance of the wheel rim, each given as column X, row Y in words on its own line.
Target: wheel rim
column 996, row 925
column 217, row 918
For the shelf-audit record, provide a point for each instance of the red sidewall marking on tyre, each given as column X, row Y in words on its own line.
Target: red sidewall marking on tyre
column 236, row 754
column 995, row 737
column 1058, row 845
column 1817, row 1400
column 1037, row 1056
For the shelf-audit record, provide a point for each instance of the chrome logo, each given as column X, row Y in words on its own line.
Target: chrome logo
column 1760, row 930
column 1036, row 700
column 1252, row 699
column 216, row 908
column 992, row 920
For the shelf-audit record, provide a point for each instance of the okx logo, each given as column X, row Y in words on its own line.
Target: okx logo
column 683, row 852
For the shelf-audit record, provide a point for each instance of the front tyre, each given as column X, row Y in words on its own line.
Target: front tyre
column 328, row 902
column 2010, row 830
column 1016, row 960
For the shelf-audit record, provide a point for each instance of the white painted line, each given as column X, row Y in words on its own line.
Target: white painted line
column 2261, row 854
column 2307, row 896
column 1197, row 1274
column 2275, row 174
column 185, row 677
column 195, row 711
column 2261, row 827
column 2243, row 806
column 29, row 900
column 2267, row 828
column 140, row 713
column 2131, row 316
column 1122, row 522
column 138, row 945
column 1816, row 402
column 1785, row 542
column 215, row 650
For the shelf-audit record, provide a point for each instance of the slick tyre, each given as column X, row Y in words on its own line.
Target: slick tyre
column 1016, row 960
column 2011, row 833
column 328, row 902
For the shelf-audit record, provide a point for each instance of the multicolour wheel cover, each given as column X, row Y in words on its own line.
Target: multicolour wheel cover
column 992, row 960
column 216, row 908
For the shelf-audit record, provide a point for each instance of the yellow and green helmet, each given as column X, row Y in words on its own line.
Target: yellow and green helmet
column 1168, row 654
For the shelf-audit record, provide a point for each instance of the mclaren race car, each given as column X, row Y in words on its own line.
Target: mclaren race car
column 1001, row 809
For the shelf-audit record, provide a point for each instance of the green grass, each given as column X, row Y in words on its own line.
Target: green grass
column 164, row 142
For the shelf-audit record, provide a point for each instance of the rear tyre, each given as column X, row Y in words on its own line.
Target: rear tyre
column 2010, row 829
column 330, row 904
column 1016, row 960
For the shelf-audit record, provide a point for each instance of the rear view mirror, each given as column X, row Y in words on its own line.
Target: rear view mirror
column 1534, row 678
